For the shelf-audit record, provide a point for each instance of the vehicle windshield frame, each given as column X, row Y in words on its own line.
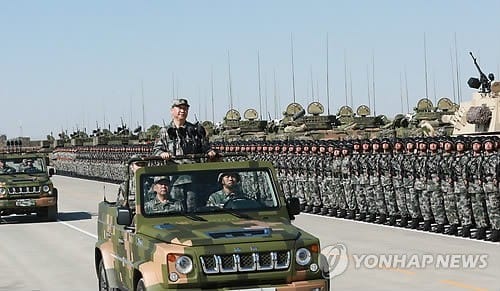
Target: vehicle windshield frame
column 16, row 164
column 270, row 196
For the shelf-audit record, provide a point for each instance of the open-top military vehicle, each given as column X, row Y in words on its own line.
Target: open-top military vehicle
column 194, row 241
column 25, row 185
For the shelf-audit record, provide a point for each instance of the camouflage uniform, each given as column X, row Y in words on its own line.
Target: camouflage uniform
column 398, row 183
column 219, row 198
column 366, row 187
column 356, row 184
column 188, row 139
column 434, row 187
column 409, row 177
column 386, row 175
column 338, row 185
column 421, row 188
column 490, row 170
column 345, row 168
column 461, row 185
column 326, row 183
column 447, row 187
column 376, row 185
column 157, row 206
column 476, row 192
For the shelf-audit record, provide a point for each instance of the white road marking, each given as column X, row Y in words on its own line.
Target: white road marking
column 78, row 229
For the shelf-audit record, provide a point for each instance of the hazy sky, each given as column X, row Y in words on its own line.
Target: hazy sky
column 75, row 64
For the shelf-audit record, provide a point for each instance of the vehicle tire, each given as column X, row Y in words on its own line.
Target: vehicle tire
column 48, row 213
column 140, row 285
column 103, row 279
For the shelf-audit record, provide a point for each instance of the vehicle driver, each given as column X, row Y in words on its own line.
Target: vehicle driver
column 230, row 190
column 5, row 169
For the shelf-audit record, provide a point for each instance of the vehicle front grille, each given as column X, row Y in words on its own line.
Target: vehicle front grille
column 24, row 190
column 247, row 262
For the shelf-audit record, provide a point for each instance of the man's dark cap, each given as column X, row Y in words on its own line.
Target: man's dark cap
column 179, row 102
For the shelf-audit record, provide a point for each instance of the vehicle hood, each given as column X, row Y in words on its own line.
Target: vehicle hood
column 14, row 179
column 221, row 230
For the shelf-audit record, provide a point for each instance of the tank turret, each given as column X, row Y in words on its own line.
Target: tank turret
column 481, row 115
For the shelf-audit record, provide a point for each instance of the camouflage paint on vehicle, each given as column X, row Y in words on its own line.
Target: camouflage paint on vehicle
column 150, row 247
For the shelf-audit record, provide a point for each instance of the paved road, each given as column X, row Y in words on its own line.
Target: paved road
column 59, row 255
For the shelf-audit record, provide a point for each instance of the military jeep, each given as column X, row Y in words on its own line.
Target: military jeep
column 243, row 242
column 25, row 185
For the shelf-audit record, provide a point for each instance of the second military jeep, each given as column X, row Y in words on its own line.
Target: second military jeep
column 245, row 241
column 25, row 185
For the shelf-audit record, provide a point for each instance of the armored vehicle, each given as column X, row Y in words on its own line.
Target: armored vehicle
column 25, row 185
column 178, row 230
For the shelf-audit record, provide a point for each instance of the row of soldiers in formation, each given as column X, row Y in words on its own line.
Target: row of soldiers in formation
column 449, row 181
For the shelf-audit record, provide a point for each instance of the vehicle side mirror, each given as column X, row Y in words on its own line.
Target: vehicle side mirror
column 51, row 172
column 293, row 205
column 123, row 216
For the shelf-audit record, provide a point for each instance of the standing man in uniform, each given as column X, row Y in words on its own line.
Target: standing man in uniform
column 476, row 190
column 409, row 177
column 461, row 186
column 490, row 170
column 181, row 137
column 434, row 178
column 447, row 178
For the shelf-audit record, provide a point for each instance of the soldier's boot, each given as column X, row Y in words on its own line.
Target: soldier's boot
column 342, row 213
column 316, row 209
column 404, row 221
column 302, row 207
column 440, row 228
column 414, row 223
column 308, row 208
column 324, row 210
column 333, row 212
column 453, row 230
column 362, row 216
column 392, row 220
column 382, row 219
column 350, row 214
column 494, row 236
column 427, row 225
column 481, row 233
column 466, row 231
column 373, row 217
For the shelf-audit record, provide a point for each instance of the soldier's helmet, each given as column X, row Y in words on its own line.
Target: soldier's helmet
column 231, row 174
column 161, row 180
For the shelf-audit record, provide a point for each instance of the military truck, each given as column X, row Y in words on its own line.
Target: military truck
column 25, row 185
column 244, row 242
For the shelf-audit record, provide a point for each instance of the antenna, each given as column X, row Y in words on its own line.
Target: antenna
column 406, row 90
column 260, row 93
column 425, row 68
column 373, row 81
column 368, row 85
column 230, row 85
column 293, row 69
column 327, row 78
column 143, row 111
column 345, row 77
column 104, row 192
column 212, row 91
column 401, row 90
column 453, row 76
column 275, row 95
column 457, row 71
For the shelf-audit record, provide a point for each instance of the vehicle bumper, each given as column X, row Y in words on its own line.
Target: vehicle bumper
column 310, row 285
column 27, row 203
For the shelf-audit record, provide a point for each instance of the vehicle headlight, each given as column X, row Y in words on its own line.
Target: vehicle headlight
column 303, row 256
column 3, row 191
column 184, row 264
column 45, row 188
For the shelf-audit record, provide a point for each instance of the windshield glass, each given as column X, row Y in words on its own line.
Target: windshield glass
column 207, row 191
column 22, row 165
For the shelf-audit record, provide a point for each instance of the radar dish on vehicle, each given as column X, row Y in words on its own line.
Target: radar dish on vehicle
column 233, row 114
column 445, row 104
column 251, row 114
column 346, row 111
column 293, row 108
column 363, row 110
column 424, row 105
column 315, row 108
